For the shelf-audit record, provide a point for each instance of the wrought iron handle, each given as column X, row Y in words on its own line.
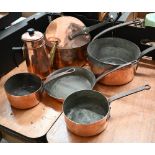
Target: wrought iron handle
column 117, row 26
column 146, row 51
column 86, row 30
column 132, row 91
column 52, row 77
column 115, row 69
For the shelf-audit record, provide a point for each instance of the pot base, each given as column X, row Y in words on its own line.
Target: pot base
column 24, row 102
column 119, row 77
column 88, row 130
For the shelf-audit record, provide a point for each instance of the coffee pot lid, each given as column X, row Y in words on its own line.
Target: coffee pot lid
column 32, row 35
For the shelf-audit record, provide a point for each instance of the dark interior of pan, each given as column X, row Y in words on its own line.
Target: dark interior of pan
column 86, row 107
column 22, row 84
column 62, row 87
column 113, row 50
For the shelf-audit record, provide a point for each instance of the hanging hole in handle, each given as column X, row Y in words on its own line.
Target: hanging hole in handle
column 71, row 70
column 147, row 87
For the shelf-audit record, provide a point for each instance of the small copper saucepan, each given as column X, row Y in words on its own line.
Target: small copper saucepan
column 87, row 112
column 23, row 90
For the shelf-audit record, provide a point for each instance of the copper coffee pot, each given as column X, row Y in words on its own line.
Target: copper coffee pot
column 37, row 58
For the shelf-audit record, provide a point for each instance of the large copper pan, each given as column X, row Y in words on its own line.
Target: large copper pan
column 67, row 39
column 68, row 52
column 114, row 51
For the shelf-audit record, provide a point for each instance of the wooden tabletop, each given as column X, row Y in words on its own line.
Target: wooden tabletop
column 132, row 118
column 32, row 123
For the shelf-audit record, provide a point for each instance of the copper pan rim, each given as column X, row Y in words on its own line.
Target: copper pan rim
column 34, row 92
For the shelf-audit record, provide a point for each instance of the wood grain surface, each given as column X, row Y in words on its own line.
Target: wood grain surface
column 132, row 118
column 32, row 123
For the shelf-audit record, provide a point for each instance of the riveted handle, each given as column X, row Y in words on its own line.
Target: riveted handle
column 86, row 30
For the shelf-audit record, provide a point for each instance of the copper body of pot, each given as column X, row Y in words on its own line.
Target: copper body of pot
column 103, row 52
column 24, row 102
column 37, row 58
column 90, row 100
column 23, row 90
column 87, row 129
column 68, row 52
column 119, row 77
column 69, row 57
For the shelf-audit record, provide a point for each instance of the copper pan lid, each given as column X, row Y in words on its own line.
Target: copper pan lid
column 61, row 28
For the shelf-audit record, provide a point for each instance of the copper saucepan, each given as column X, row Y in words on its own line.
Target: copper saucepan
column 68, row 38
column 87, row 112
column 114, row 51
column 23, row 90
column 63, row 82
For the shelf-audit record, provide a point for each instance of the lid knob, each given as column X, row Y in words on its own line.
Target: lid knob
column 31, row 31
